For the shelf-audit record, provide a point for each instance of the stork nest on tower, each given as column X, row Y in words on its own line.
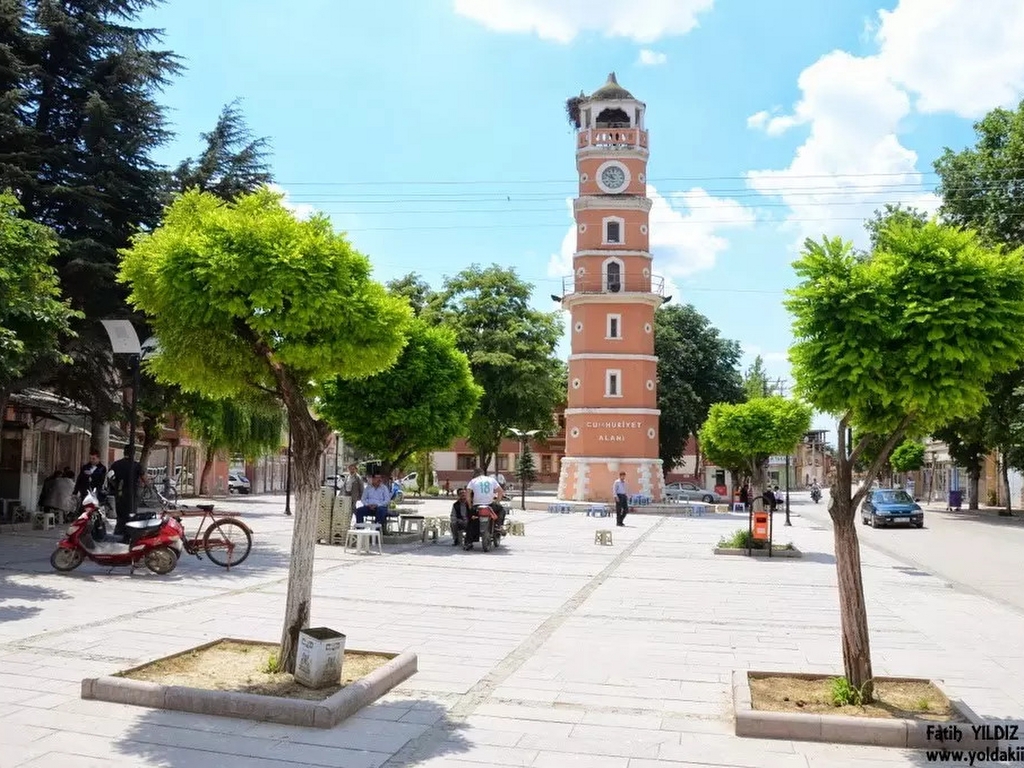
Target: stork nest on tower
column 572, row 109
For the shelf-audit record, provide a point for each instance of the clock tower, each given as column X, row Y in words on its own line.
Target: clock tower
column 611, row 420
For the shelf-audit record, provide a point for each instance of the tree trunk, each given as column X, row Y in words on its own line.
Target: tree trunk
column 853, row 614
column 1004, row 467
column 309, row 441
column 204, row 476
column 973, row 481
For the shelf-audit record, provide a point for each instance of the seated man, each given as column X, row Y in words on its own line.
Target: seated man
column 460, row 517
column 376, row 501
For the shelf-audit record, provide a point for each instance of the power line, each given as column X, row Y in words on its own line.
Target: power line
column 470, row 182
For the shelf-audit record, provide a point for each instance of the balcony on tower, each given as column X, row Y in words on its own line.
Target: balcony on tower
column 608, row 119
column 613, row 281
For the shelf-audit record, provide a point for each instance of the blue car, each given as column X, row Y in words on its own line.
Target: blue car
column 886, row 506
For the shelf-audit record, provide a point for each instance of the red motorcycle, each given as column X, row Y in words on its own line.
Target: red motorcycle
column 157, row 542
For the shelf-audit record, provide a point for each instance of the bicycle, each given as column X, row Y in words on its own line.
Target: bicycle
column 217, row 537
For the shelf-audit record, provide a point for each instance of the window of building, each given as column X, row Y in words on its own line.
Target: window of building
column 613, row 327
column 613, row 383
column 502, row 459
column 545, row 464
column 614, row 230
column 466, row 461
column 561, row 421
column 613, row 275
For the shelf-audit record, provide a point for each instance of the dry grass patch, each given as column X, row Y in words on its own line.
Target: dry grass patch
column 902, row 699
column 249, row 667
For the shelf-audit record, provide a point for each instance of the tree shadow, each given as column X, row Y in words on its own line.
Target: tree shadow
column 817, row 557
column 415, row 730
column 445, row 549
column 24, row 556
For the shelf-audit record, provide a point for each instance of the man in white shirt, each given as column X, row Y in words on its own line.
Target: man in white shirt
column 484, row 491
column 621, row 499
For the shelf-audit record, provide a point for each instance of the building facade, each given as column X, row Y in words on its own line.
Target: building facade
column 612, row 414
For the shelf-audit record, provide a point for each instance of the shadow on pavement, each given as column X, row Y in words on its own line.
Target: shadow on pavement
column 368, row 739
column 19, row 600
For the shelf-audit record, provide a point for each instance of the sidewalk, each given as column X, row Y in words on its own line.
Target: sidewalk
column 548, row 652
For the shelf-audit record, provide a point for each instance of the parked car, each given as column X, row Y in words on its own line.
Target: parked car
column 409, row 482
column 891, row 506
column 692, row 492
column 238, row 483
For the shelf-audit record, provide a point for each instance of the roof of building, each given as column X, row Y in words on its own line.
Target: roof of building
column 611, row 90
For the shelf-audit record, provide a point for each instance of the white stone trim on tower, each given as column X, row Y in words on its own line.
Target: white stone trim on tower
column 612, row 203
column 613, row 382
column 612, row 356
column 613, row 409
column 622, row 297
column 618, row 252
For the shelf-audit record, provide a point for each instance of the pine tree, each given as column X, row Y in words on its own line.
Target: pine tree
column 79, row 86
column 527, row 470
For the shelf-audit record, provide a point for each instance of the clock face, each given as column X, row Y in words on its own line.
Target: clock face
column 613, row 177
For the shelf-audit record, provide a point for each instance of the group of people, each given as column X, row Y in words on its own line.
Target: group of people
column 63, row 491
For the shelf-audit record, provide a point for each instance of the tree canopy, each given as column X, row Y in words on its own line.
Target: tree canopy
column 696, row 368
column 422, row 403
column 33, row 318
column 747, row 434
column 910, row 336
column 511, row 350
column 755, row 380
column 908, row 456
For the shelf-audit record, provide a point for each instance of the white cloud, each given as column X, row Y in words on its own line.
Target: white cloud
column 643, row 21
column 954, row 56
column 302, row 211
column 682, row 243
column 649, row 58
column 957, row 56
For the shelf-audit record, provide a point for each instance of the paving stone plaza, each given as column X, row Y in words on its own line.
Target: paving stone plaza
column 550, row 651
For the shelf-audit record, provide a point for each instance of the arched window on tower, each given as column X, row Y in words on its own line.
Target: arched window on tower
column 613, row 117
column 613, row 276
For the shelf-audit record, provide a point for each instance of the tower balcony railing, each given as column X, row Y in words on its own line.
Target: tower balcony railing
column 598, row 284
column 611, row 138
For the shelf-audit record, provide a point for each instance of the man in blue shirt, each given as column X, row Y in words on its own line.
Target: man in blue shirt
column 376, row 501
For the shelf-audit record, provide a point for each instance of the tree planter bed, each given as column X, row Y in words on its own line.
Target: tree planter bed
column 882, row 724
column 249, row 691
column 778, row 550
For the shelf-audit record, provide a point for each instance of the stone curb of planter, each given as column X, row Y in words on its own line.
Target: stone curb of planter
column 843, row 729
column 760, row 552
column 326, row 713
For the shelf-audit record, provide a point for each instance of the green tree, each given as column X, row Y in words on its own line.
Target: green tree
column 897, row 344
column 415, row 289
column 745, row 435
column 246, row 299
column 84, row 82
column 422, row 403
column 1004, row 430
column 755, row 380
column 33, row 318
column 967, row 441
column 879, row 222
column 696, row 368
column 908, row 456
column 526, row 467
column 234, row 162
column 424, row 463
column 251, row 428
column 511, row 349
column 980, row 186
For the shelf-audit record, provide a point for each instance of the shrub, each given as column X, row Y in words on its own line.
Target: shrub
column 433, row 491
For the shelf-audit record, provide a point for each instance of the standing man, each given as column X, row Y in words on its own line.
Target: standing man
column 376, row 501
column 91, row 476
column 354, row 485
column 126, row 472
column 621, row 500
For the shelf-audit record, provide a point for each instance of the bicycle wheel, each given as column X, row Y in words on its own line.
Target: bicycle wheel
column 227, row 542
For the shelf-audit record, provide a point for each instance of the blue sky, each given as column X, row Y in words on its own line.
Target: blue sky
column 433, row 131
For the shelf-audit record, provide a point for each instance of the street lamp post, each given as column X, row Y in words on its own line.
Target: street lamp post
column 288, row 476
column 787, row 490
column 125, row 341
column 523, row 436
